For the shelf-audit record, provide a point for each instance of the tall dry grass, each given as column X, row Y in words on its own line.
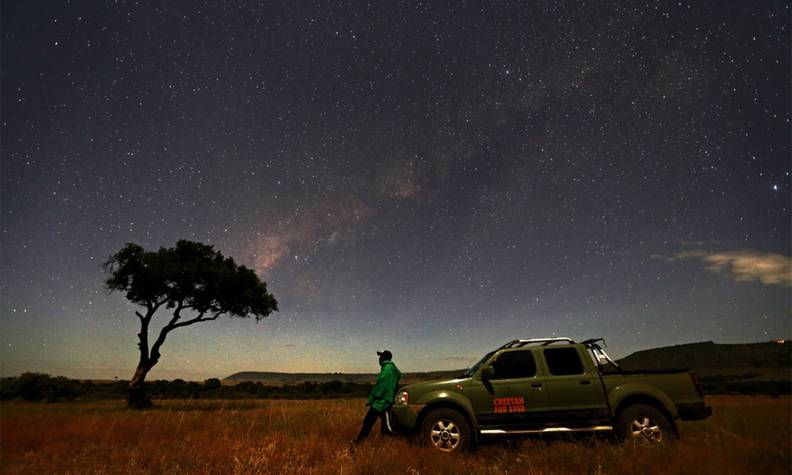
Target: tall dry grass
column 745, row 435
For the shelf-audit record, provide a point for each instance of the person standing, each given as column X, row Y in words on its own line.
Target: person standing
column 381, row 397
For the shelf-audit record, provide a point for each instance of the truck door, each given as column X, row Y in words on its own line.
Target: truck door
column 515, row 395
column 574, row 389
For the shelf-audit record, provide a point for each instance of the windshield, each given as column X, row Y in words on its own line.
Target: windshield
column 476, row 366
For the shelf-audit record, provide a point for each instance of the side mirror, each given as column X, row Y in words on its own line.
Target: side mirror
column 487, row 372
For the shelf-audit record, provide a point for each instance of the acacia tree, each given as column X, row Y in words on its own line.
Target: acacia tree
column 191, row 281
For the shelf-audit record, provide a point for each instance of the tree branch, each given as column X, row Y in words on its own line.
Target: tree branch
column 151, row 309
column 173, row 324
column 176, row 316
column 155, row 354
column 197, row 319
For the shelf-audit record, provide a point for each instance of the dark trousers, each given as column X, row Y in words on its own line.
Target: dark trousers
column 368, row 422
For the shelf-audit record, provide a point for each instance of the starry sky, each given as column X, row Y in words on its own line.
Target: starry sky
column 433, row 178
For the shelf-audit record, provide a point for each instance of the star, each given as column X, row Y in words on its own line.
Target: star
column 395, row 176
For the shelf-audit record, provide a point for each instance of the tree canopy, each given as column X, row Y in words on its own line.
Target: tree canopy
column 192, row 276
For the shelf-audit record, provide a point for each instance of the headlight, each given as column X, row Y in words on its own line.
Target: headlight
column 402, row 399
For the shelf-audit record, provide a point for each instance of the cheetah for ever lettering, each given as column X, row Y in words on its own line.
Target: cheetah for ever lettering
column 505, row 405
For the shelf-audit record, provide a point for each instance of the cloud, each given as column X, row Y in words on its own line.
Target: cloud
column 746, row 265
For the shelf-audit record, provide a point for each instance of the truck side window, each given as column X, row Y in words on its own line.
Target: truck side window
column 563, row 361
column 515, row 364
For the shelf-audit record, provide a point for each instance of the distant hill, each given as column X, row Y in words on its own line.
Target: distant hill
column 746, row 362
column 280, row 379
column 756, row 361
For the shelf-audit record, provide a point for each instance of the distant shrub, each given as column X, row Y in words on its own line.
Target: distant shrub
column 43, row 387
column 34, row 386
column 8, row 388
column 212, row 384
column 40, row 386
column 62, row 388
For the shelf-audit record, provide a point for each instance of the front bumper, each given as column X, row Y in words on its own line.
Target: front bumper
column 694, row 412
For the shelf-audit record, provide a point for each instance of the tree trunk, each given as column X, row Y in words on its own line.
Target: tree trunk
column 136, row 393
column 136, row 396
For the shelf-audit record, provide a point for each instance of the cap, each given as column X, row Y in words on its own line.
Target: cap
column 385, row 355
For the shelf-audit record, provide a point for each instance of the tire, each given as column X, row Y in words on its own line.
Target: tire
column 446, row 430
column 642, row 424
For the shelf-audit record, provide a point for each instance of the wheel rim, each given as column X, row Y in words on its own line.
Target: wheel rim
column 646, row 431
column 445, row 435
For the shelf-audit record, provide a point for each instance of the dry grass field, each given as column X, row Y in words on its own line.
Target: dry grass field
column 745, row 435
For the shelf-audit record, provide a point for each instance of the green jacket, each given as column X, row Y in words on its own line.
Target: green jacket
column 384, row 392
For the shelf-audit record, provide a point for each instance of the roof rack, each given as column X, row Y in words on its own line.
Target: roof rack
column 543, row 341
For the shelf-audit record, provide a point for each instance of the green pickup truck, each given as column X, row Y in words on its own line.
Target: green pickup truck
column 548, row 385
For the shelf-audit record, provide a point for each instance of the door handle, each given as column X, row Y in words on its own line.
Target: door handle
column 585, row 381
column 536, row 385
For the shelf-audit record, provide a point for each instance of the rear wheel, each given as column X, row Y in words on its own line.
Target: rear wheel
column 446, row 430
column 642, row 424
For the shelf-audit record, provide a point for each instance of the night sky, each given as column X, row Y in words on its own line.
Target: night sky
column 431, row 178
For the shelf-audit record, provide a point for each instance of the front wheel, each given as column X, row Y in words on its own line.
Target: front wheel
column 642, row 424
column 446, row 430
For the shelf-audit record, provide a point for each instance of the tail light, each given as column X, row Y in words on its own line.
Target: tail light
column 402, row 399
column 696, row 382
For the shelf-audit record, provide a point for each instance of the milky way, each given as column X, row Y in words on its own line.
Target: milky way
column 430, row 178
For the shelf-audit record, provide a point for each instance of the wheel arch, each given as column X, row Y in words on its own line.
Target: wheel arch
column 632, row 391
